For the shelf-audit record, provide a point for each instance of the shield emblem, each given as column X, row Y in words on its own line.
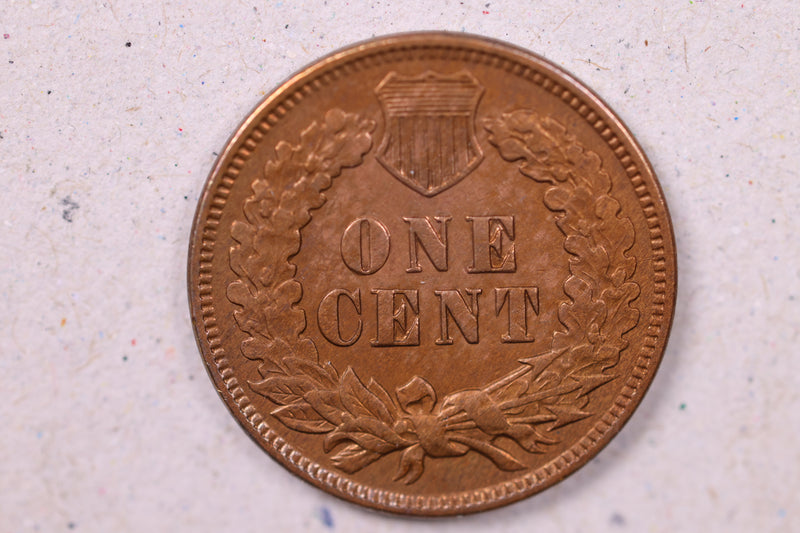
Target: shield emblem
column 429, row 141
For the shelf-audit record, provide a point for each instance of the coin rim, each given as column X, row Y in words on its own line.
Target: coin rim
column 225, row 383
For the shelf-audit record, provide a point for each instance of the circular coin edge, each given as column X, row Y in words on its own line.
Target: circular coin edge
column 268, row 113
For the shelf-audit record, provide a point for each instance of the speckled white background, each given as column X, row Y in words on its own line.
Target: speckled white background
column 108, row 421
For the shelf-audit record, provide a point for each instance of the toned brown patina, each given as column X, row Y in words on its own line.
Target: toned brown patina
column 432, row 274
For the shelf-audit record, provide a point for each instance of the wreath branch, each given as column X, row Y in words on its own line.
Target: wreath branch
column 362, row 423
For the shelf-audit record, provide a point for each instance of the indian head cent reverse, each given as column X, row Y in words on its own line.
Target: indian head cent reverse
column 432, row 274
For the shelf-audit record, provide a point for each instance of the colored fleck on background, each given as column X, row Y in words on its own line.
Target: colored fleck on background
column 110, row 118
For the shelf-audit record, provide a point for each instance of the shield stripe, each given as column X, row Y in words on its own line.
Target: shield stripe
column 462, row 149
column 426, row 161
column 411, row 143
column 408, row 135
column 451, row 142
column 438, row 147
column 441, row 151
column 419, row 152
column 394, row 143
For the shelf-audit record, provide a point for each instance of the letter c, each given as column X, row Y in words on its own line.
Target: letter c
column 328, row 316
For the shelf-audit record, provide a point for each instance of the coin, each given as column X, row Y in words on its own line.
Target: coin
column 432, row 274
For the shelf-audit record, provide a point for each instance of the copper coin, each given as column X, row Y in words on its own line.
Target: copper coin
column 432, row 274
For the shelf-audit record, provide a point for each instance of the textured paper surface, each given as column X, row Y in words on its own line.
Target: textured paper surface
column 111, row 116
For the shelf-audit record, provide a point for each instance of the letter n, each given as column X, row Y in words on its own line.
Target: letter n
column 453, row 305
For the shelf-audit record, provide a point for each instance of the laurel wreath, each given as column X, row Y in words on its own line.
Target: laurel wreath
column 363, row 422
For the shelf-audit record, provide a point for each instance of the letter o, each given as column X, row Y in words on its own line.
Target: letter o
column 365, row 245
